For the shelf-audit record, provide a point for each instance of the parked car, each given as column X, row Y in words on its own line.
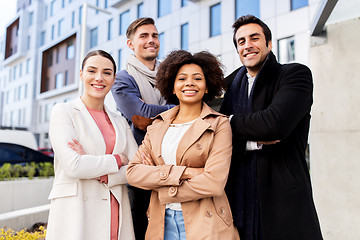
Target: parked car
column 18, row 154
column 47, row 151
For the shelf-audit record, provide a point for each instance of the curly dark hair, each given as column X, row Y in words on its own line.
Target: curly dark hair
column 210, row 65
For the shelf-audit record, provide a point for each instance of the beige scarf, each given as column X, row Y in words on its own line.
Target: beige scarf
column 145, row 79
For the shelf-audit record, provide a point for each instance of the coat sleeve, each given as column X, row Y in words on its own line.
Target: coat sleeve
column 211, row 182
column 128, row 99
column 288, row 106
column 152, row 177
column 129, row 152
column 62, row 131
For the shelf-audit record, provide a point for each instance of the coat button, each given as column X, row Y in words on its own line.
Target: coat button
column 172, row 189
column 199, row 146
column 163, row 175
column 208, row 214
column 221, row 211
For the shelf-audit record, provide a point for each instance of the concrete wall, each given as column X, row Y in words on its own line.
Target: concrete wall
column 21, row 194
column 335, row 131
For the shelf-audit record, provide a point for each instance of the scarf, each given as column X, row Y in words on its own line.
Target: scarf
column 145, row 79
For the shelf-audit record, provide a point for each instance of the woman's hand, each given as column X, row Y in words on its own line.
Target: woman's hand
column 76, row 146
column 124, row 159
column 144, row 156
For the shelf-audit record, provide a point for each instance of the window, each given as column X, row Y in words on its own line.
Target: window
column 28, row 43
column 184, row 3
column 45, row 14
column 185, row 36
column 25, row 90
column 244, row 7
column 161, row 50
column 164, row 7
column 10, row 75
column 59, row 80
column 19, row 116
column 48, row 111
column 124, row 22
column 50, row 59
column 42, row 38
column 93, row 37
column 57, row 56
column 105, row 4
column 15, row 68
column 62, row 3
column 31, row 16
column 286, row 50
column 140, row 10
column 70, row 50
column 60, row 23
column 215, row 20
column 119, row 60
column 52, row 32
column 20, row 69
column 28, row 65
column 295, row 4
column 80, row 13
column 109, row 29
column 66, row 77
column 52, row 8
column 73, row 19
column 19, row 93
column 97, row 4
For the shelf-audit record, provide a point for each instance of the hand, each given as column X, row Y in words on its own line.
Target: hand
column 141, row 122
column 268, row 142
column 124, row 159
column 144, row 156
column 76, row 146
column 103, row 179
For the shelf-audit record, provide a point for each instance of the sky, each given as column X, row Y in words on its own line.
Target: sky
column 7, row 13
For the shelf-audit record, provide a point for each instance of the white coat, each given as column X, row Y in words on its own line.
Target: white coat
column 80, row 204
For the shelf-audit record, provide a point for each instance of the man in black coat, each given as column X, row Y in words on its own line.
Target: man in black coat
column 269, row 104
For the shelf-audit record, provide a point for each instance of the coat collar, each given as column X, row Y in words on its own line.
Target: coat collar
column 163, row 121
column 93, row 130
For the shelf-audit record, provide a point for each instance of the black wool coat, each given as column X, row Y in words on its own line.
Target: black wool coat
column 281, row 104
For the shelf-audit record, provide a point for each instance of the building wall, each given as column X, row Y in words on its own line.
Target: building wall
column 335, row 131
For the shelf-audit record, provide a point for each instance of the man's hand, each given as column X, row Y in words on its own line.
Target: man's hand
column 268, row 142
column 141, row 122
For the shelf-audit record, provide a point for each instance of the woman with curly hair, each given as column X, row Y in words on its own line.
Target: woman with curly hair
column 185, row 156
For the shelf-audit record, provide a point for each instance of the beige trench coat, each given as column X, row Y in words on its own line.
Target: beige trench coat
column 207, row 144
column 80, row 204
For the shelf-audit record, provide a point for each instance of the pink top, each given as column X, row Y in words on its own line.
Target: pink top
column 107, row 130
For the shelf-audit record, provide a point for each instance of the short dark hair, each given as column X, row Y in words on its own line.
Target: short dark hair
column 210, row 65
column 138, row 23
column 100, row 53
column 243, row 20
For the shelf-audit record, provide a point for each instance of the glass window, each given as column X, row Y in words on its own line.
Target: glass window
column 80, row 13
column 45, row 14
column 66, row 77
column 124, row 22
column 25, row 90
column 52, row 32
column 286, row 50
column 52, row 8
column 105, row 4
column 295, row 4
column 215, row 20
column 59, row 80
column 50, row 59
column 109, row 29
column 31, row 16
column 73, row 19
column 20, row 69
column 185, row 36
column 19, row 93
column 62, row 3
column 161, row 50
column 57, row 56
column 70, row 50
column 97, row 4
column 28, row 65
column 244, row 7
column 119, row 59
column 140, row 10
column 28, row 42
column 42, row 38
column 60, row 23
column 164, row 7
column 184, row 3
column 93, row 37
column 15, row 68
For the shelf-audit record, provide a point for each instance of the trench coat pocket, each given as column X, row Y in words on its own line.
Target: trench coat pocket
column 63, row 190
column 223, row 209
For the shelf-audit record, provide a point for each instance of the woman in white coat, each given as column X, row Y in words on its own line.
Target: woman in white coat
column 92, row 145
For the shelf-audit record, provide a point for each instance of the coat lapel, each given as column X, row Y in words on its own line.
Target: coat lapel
column 93, row 131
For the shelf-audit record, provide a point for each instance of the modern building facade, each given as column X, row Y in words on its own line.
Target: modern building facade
column 42, row 47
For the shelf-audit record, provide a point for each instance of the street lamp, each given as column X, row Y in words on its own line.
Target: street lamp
column 85, row 6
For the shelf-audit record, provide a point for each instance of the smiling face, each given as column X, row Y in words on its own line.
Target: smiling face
column 145, row 43
column 190, row 84
column 98, row 77
column 251, row 47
